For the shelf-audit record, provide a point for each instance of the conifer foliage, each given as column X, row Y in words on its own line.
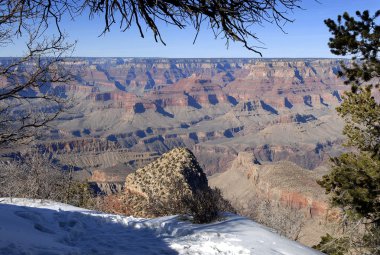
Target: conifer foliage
column 354, row 182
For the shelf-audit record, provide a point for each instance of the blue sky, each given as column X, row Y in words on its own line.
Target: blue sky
column 307, row 36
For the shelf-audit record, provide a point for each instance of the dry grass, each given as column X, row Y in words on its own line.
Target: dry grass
column 36, row 176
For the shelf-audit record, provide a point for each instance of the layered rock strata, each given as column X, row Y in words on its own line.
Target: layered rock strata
column 286, row 186
column 281, row 109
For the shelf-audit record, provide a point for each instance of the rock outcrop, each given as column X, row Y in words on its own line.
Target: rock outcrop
column 174, row 176
column 177, row 168
column 107, row 188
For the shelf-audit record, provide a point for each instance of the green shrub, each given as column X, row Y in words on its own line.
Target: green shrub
column 79, row 194
column 333, row 246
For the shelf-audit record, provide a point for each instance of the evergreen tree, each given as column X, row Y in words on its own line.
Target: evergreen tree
column 354, row 182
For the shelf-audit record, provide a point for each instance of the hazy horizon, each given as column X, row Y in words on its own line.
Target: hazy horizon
column 248, row 58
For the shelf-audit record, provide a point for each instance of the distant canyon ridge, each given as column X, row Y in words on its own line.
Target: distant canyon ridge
column 128, row 111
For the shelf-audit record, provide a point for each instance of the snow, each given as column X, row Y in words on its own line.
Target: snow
column 45, row 227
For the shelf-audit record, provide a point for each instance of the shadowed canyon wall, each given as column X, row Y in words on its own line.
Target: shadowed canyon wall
column 278, row 109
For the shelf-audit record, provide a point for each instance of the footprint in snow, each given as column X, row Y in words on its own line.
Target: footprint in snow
column 66, row 225
column 28, row 215
column 43, row 229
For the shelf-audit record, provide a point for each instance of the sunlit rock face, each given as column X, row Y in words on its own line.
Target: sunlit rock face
column 176, row 169
column 280, row 109
column 281, row 190
column 175, row 176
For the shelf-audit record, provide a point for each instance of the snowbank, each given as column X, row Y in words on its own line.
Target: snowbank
column 46, row 227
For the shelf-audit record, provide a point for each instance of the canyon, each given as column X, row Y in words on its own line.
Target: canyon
column 262, row 130
column 127, row 111
column 281, row 195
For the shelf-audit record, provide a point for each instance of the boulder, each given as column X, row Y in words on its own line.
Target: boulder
column 174, row 176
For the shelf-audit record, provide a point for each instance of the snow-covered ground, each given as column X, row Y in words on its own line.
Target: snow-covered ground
column 46, row 227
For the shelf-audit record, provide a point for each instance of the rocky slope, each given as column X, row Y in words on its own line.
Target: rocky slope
column 283, row 188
